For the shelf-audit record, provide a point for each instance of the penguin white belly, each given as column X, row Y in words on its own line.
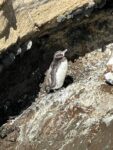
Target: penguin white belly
column 61, row 74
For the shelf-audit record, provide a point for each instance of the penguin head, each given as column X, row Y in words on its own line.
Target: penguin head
column 60, row 54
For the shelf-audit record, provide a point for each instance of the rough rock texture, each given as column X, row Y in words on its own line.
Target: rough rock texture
column 18, row 18
column 80, row 115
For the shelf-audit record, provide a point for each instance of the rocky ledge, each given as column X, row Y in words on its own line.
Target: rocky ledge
column 80, row 114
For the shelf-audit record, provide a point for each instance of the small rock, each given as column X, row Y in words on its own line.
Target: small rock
column 2, row 133
column 19, row 51
column 8, row 130
column 91, row 4
column 29, row 44
column 61, row 18
column 70, row 16
column 12, row 136
column 99, row 50
column 109, row 77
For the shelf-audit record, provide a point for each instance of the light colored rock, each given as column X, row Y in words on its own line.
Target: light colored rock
column 29, row 45
column 23, row 14
column 19, row 51
column 109, row 77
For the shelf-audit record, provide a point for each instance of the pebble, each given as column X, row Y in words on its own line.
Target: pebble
column 61, row 18
column 109, row 77
column 29, row 45
column 69, row 16
column 19, row 51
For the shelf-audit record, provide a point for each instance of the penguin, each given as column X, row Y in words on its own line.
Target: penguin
column 56, row 73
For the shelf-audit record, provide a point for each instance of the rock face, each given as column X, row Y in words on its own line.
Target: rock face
column 76, row 117
column 79, row 115
column 20, row 19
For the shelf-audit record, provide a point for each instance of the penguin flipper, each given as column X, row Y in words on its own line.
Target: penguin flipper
column 53, row 78
column 48, row 79
column 47, row 89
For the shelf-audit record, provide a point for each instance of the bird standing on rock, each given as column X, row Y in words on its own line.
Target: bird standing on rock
column 56, row 73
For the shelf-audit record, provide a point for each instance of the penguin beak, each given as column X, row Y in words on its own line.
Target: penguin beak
column 64, row 52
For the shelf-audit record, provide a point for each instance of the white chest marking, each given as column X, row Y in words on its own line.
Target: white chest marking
column 61, row 74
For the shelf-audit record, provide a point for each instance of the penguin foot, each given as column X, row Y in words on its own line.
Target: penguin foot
column 47, row 89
